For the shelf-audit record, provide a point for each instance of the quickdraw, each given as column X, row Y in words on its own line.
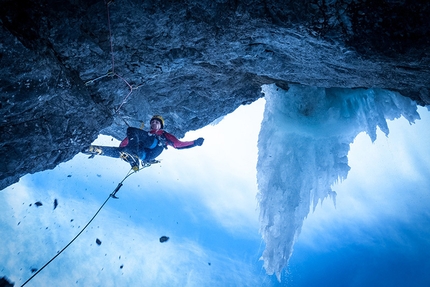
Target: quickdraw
column 112, row 72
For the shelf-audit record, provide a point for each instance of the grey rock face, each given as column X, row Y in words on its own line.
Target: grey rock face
column 72, row 69
column 47, row 114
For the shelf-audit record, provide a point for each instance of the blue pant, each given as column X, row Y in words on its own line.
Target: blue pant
column 143, row 144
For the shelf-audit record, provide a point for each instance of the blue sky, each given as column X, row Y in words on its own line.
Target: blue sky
column 204, row 199
column 379, row 232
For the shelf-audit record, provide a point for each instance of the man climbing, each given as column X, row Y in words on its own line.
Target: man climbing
column 143, row 145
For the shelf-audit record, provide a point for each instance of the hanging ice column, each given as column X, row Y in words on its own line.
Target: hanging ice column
column 303, row 148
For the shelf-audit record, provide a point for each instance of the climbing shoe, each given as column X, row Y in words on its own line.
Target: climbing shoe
column 133, row 160
column 92, row 150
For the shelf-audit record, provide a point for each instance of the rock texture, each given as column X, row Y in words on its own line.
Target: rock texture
column 71, row 69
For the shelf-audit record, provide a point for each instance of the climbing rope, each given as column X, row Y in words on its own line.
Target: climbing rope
column 113, row 195
column 112, row 72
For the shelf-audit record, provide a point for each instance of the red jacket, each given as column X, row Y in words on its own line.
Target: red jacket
column 170, row 140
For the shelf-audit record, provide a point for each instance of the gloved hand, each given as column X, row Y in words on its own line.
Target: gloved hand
column 199, row 141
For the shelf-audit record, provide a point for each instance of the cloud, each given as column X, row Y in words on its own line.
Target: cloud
column 221, row 174
column 144, row 260
column 386, row 192
column 129, row 236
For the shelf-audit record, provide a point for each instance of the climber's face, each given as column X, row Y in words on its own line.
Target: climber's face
column 155, row 125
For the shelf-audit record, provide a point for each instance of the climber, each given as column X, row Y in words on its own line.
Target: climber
column 143, row 145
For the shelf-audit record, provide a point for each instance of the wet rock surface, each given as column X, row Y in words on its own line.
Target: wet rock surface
column 191, row 61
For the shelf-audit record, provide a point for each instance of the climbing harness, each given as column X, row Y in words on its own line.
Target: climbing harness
column 132, row 160
column 112, row 195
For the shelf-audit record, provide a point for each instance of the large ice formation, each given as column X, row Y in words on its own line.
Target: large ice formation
column 303, row 147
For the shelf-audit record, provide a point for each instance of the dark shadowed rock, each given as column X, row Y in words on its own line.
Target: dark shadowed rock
column 4, row 282
column 164, row 239
column 191, row 61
